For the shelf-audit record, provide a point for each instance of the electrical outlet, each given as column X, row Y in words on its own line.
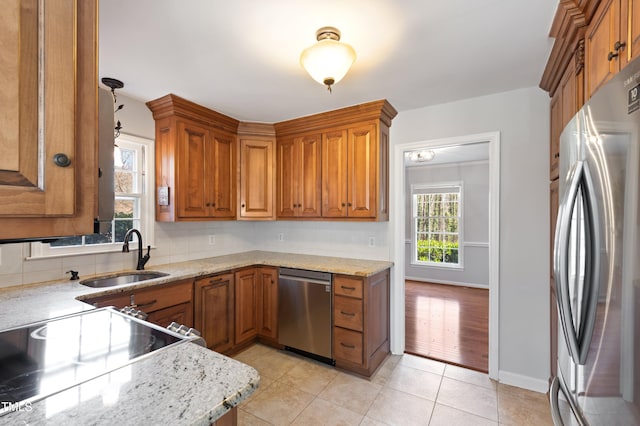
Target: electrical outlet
column 372, row 241
column 281, row 237
column 212, row 240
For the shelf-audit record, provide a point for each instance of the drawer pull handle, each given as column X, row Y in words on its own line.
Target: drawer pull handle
column 347, row 346
column 147, row 304
column 349, row 314
column 347, row 288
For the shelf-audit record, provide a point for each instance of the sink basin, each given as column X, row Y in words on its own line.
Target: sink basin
column 122, row 278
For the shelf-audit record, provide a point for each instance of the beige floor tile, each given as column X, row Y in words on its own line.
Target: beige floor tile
column 521, row 407
column 311, row 377
column 420, row 363
column 279, row 404
column 382, row 375
column 416, row 382
column 399, row 408
column 367, row 421
column 248, row 419
column 448, row 416
column 351, row 392
column 473, row 399
column 321, row 412
column 265, row 382
column 274, row 364
column 469, row 376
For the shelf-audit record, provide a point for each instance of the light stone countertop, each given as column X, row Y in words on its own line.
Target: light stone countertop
column 182, row 384
column 35, row 302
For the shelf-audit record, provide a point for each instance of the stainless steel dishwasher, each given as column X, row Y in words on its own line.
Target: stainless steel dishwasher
column 304, row 312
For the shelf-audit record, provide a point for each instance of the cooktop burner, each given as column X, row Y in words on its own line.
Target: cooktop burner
column 41, row 359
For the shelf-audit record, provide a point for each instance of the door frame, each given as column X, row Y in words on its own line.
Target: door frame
column 398, row 238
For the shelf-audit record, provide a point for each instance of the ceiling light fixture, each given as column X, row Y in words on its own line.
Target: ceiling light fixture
column 328, row 60
column 422, row 156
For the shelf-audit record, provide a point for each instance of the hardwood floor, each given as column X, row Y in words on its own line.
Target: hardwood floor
column 448, row 323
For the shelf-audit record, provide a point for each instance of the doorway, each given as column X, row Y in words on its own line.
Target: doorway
column 406, row 250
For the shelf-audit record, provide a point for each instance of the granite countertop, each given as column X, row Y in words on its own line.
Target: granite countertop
column 30, row 303
column 182, row 384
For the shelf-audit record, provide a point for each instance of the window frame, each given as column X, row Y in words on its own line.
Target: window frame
column 147, row 206
column 437, row 188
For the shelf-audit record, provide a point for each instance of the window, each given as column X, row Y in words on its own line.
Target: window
column 133, row 207
column 437, row 224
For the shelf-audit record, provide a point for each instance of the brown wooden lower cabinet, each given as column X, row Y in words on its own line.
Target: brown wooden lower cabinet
column 268, row 304
column 213, row 310
column 229, row 419
column 163, row 304
column 361, row 322
column 246, row 301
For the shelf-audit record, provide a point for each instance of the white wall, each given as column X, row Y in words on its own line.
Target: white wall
column 474, row 241
column 522, row 118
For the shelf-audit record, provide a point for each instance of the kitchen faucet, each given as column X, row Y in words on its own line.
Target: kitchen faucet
column 142, row 260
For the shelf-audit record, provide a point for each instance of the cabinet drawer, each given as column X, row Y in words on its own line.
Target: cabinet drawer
column 159, row 298
column 347, row 345
column 347, row 286
column 347, row 313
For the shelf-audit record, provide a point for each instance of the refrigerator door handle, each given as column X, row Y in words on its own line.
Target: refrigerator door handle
column 554, row 394
column 592, row 266
column 554, row 400
column 561, row 261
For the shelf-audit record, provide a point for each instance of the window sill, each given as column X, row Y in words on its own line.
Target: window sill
column 38, row 253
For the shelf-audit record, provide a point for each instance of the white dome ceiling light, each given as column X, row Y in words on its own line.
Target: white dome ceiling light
column 328, row 61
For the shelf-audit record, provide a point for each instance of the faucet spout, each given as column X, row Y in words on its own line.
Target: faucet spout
column 142, row 260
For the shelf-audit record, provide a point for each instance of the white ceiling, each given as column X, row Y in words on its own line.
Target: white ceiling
column 241, row 57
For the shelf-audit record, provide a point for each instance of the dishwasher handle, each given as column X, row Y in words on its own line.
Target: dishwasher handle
column 306, row 280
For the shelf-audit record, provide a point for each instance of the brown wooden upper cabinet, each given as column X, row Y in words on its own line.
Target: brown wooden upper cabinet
column 48, row 125
column 257, row 171
column 353, row 181
column 299, row 176
column 604, row 45
column 196, row 161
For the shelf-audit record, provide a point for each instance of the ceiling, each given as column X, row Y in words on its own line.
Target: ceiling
column 241, row 57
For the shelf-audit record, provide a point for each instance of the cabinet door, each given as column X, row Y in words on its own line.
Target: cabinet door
column 213, row 311
column 37, row 89
column 194, row 161
column 41, row 199
column 223, row 169
column 630, row 29
column 362, row 171
column 256, row 178
column 287, row 190
column 246, row 300
column 602, row 34
column 182, row 314
column 334, row 174
column 268, row 303
column 310, row 176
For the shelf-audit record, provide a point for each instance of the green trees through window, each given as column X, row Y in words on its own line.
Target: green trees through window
column 436, row 214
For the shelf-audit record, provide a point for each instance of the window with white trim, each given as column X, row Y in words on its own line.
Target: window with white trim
column 437, row 224
column 133, row 207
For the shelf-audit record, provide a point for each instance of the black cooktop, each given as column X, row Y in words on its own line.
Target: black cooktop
column 41, row 359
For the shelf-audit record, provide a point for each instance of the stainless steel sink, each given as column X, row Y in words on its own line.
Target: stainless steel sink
column 122, row 278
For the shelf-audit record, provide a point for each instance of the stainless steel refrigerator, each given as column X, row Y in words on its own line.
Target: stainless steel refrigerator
column 597, row 260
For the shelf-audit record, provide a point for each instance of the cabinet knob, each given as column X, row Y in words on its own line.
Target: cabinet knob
column 344, row 204
column 61, row 160
column 616, row 50
column 242, row 205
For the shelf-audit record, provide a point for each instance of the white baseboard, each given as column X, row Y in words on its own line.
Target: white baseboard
column 461, row 284
column 524, row 382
